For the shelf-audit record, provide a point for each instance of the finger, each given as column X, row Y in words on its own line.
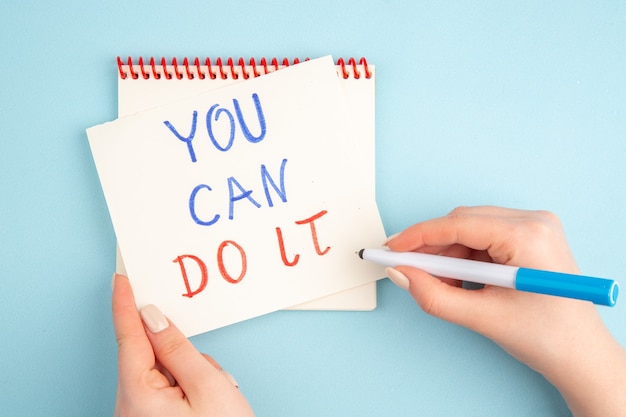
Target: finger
column 447, row 237
column 212, row 361
column 168, row 376
column 482, row 233
column 135, row 353
column 457, row 251
column 222, row 370
column 460, row 251
column 468, row 308
column 172, row 382
column 490, row 211
column 193, row 373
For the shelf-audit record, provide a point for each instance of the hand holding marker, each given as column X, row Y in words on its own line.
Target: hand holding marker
column 598, row 290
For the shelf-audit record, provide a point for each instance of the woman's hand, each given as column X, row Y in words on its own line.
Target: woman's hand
column 160, row 372
column 563, row 339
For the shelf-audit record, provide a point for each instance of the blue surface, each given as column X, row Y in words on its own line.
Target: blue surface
column 516, row 105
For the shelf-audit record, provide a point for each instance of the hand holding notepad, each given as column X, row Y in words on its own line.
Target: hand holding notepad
column 242, row 200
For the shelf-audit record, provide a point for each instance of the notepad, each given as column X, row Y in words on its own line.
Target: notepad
column 242, row 199
column 141, row 86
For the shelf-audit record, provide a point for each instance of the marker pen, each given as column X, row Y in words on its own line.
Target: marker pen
column 598, row 290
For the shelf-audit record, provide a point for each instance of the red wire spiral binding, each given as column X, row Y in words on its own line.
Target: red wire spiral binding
column 196, row 62
column 231, row 65
column 221, row 68
column 208, row 65
column 224, row 71
column 187, row 71
column 368, row 73
column 123, row 75
column 342, row 64
column 275, row 63
column 179, row 76
column 168, row 76
column 154, row 70
column 264, row 63
column 242, row 64
column 255, row 73
column 355, row 71
column 142, row 68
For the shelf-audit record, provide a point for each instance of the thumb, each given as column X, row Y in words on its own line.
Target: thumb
column 193, row 373
column 442, row 299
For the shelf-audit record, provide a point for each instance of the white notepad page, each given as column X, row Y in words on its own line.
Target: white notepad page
column 358, row 82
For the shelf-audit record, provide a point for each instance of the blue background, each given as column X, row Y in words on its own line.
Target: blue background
column 519, row 105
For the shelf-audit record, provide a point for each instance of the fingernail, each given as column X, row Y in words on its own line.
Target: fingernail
column 230, row 378
column 154, row 320
column 389, row 239
column 397, row 278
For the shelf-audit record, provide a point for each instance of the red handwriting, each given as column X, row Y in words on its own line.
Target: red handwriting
column 283, row 254
column 311, row 221
column 203, row 273
column 220, row 262
column 226, row 275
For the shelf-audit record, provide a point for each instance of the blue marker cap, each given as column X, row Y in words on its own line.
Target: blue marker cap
column 598, row 290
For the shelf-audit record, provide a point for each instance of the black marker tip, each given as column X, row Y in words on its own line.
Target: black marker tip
column 360, row 253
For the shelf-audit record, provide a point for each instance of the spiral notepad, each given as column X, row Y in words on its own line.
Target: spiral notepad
column 151, row 82
column 238, row 190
